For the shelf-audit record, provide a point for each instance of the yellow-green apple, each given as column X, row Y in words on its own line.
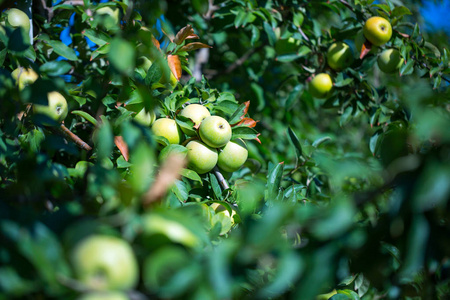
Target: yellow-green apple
column 321, row 85
column 24, row 77
column 169, row 129
column 201, row 157
column 389, row 61
column 233, row 155
column 145, row 63
column 339, row 56
column 197, row 113
column 215, row 131
column 17, row 18
column 104, row 296
column 145, row 118
column 56, row 108
column 104, row 262
column 170, row 81
column 222, row 216
column 377, row 30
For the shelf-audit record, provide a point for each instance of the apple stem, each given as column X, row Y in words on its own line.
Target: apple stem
column 220, row 178
column 74, row 138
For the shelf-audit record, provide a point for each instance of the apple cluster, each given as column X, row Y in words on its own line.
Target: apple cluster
column 208, row 142
column 376, row 32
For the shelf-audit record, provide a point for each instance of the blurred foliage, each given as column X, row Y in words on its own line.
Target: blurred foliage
column 344, row 198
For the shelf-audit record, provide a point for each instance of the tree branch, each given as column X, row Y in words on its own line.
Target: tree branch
column 74, row 138
column 220, row 178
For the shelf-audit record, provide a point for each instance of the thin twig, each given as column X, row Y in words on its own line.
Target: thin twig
column 220, row 178
column 241, row 60
column 74, row 138
column 348, row 5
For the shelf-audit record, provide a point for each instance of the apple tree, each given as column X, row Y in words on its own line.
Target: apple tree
column 283, row 149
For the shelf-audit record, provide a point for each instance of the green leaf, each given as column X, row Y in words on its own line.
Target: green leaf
column 400, row 11
column 154, row 74
column 215, row 186
column 318, row 142
column 63, row 50
column 407, row 68
column 191, row 175
column 236, row 117
column 273, row 181
column 295, row 141
column 86, row 116
column 98, row 38
column 55, row 68
column 270, row 33
column 180, row 190
column 122, row 56
column 243, row 132
column 255, row 35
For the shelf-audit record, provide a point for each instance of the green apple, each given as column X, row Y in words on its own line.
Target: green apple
column 201, row 157
column 145, row 118
column 197, row 113
column 56, row 108
column 321, row 85
column 17, row 18
column 104, row 296
column 222, row 216
column 24, row 77
column 390, row 61
column 339, row 56
column 215, row 131
column 104, row 262
column 360, row 39
column 377, row 30
column 233, row 155
column 169, row 129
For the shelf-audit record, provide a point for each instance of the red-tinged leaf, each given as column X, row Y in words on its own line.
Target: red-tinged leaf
column 156, row 43
column 366, row 48
column 183, row 34
column 248, row 122
column 258, row 140
column 192, row 36
column 194, row 46
column 247, row 105
column 403, row 34
column 175, row 65
column 123, row 147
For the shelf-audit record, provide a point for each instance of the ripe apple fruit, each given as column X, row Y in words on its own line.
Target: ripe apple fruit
column 215, row 131
column 339, row 56
column 169, row 129
column 201, row 157
column 145, row 118
column 377, row 30
column 145, row 63
column 197, row 113
column 104, row 296
column 169, row 81
column 321, row 85
column 24, row 77
column 105, row 263
column 389, row 61
column 17, row 18
column 222, row 216
column 56, row 108
column 233, row 155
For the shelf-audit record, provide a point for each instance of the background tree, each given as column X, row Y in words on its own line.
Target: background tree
column 344, row 193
